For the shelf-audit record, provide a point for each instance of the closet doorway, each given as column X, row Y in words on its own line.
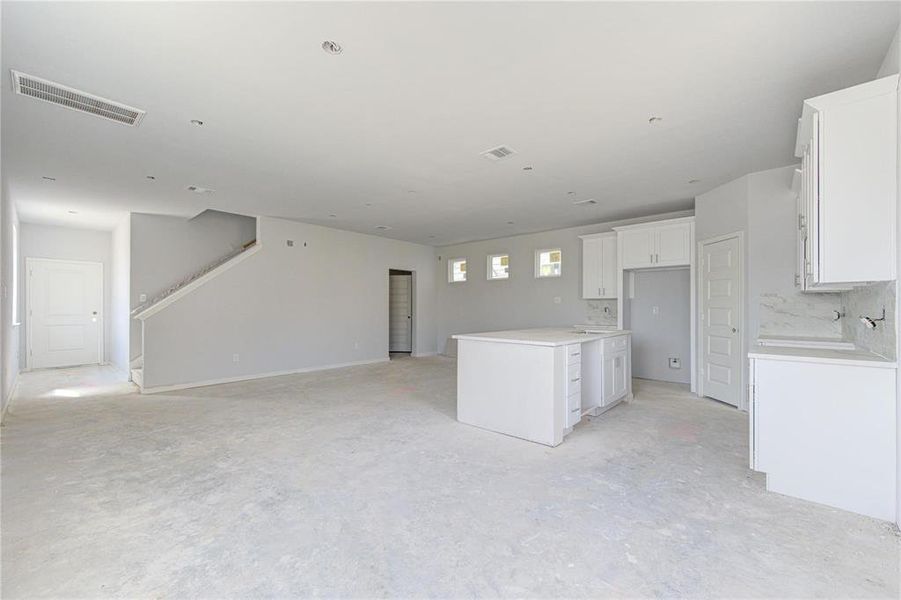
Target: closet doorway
column 400, row 312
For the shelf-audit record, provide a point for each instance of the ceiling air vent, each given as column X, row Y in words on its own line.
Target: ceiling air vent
column 55, row 93
column 585, row 202
column 199, row 190
column 498, row 153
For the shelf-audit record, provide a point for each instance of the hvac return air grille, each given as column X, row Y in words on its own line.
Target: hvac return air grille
column 49, row 91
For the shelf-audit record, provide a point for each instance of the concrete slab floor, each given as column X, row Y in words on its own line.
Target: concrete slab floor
column 359, row 482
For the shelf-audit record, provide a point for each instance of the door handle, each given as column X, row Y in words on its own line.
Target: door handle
column 94, row 313
column 734, row 330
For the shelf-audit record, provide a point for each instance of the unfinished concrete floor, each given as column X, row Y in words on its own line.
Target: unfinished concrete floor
column 360, row 483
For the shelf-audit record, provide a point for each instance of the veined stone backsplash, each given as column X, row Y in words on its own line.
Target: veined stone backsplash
column 601, row 312
column 802, row 315
column 869, row 301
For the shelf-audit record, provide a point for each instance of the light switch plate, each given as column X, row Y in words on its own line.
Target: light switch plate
column 557, row 300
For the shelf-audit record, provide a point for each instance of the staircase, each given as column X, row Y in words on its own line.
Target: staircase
column 183, row 287
column 193, row 277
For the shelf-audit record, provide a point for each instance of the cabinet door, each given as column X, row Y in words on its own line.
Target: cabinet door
column 620, row 372
column 637, row 247
column 858, row 190
column 673, row 245
column 591, row 268
column 608, row 267
column 608, row 393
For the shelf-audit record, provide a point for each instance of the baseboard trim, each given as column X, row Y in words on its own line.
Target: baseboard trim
column 195, row 384
column 424, row 354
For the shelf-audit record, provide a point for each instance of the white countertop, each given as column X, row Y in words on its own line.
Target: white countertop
column 544, row 336
column 817, row 355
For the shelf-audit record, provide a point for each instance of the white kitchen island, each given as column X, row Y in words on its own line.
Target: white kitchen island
column 536, row 384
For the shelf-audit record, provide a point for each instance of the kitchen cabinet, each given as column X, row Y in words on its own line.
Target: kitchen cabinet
column 599, row 266
column 536, row 384
column 824, row 429
column 847, row 197
column 657, row 244
column 615, row 360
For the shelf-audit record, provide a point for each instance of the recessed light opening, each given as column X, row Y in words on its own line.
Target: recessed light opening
column 655, row 120
column 197, row 122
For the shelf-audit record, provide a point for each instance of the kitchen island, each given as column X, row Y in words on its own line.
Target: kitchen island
column 536, row 384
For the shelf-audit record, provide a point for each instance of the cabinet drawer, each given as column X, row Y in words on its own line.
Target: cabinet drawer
column 574, row 353
column 573, row 385
column 573, row 371
column 616, row 344
column 574, row 402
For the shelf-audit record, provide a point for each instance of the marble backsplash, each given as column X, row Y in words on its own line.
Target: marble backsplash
column 601, row 312
column 869, row 301
column 801, row 315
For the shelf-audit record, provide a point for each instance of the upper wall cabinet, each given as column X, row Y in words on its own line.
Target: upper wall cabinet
column 599, row 265
column 847, row 143
column 658, row 244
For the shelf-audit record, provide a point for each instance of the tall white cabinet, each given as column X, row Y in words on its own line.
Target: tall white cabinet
column 599, row 265
column 847, row 143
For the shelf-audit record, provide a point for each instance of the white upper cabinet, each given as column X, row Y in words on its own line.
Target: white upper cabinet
column 658, row 244
column 599, row 266
column 847, row 143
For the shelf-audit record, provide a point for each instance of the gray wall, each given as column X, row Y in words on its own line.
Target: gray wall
column 322, row 302
column 120, row 320
column 657, row 336
column 64, row 243
column 165, row 250
column 522, row 300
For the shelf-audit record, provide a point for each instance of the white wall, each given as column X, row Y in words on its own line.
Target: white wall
column 119, row 318
column 165, row 250
column 10, row 331
column 322, row 302
column 665, row 332
column 891, row 64
column 522, row 300
column 64, row 243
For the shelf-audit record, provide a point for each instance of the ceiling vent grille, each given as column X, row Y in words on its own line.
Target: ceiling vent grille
column 498, row 153
column 55, row 93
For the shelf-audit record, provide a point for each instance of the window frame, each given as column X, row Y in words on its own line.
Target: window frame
column 450, row 269
column 538, row 254
column 489, row 271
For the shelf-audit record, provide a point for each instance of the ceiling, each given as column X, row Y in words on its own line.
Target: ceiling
column 390, row 131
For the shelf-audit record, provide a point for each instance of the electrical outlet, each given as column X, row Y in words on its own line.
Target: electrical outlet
column 142, row 298
column 675, row 363
column 290, row 243
column 655, row 310
column 236, row 358
column 557, row 300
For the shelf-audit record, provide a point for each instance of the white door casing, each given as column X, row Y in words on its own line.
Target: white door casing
column 400, row 313
column 722, row 358
column 65, row 313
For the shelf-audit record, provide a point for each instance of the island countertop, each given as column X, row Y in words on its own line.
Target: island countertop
column 543, row 336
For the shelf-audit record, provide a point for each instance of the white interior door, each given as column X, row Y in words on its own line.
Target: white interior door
column 65, row 304
column 720, row 320
column 400, row 313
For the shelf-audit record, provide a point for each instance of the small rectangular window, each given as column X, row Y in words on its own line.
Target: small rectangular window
column 548, row 263
column 499, row 266
column 456, row 270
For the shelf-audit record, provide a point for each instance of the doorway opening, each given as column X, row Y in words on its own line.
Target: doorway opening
column 400, row 313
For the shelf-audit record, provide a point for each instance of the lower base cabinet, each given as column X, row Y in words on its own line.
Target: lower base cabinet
column 825, row 432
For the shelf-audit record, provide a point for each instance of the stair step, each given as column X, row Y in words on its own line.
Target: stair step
column 137, row 376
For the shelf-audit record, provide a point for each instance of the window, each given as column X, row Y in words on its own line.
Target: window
column 15, row 273
column 499, row 266
column 548, row 263
column 456, row 270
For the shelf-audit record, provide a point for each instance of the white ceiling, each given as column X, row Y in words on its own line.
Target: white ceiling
column 390, row 131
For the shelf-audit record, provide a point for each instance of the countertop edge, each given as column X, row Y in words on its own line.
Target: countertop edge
column 875, row 362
